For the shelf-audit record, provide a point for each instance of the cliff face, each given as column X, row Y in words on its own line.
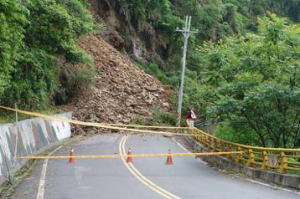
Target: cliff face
column 123, row 34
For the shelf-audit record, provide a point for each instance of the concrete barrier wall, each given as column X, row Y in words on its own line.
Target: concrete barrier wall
column 33, row 136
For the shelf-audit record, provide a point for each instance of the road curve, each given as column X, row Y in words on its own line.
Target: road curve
column 146, row 178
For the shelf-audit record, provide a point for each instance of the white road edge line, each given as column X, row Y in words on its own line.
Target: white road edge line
column 272, row 186
column 186, row 150
column 249, row 180
column 41, row 190
column 142, row 178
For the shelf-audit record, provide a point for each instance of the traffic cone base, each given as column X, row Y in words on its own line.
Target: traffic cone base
column 72, row 160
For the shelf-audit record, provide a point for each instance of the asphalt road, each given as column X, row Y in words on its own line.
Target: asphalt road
column 146, row 178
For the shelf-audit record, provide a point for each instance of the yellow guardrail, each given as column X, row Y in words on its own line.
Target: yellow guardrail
column 255, row 157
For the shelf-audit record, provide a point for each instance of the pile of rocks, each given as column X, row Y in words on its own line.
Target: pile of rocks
column 122, row 90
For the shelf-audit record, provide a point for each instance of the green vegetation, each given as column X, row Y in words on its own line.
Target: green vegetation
column 242, row 69
column 154, row 70
column 215, row 19
column 12, row 22
column 139, row 120
column 236, row 133
column 8, row 187
column 253, row 82
column 10, row 117
column 161, row 117
column 40, row 61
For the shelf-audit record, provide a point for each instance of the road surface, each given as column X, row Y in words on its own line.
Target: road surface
column 146, row 178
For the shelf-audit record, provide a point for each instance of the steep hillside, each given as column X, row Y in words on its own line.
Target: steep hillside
column 146, row 28
column 130, row 33
column 122, row 90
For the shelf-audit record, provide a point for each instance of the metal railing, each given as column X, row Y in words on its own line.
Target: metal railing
column 275, row 159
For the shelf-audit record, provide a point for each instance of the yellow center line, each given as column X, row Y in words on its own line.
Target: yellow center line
column 159, row 188
column 140, row 176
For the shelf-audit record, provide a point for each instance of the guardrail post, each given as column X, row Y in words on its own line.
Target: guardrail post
column 206, row 141
column 229, row 156
column 215, row 145
column 251, row 159
column 239, row 156
column 265, row 164
column 198, row 137
column 203, row 139
column 283, row 164
column 222, row 146
column 248, row 157
column 208, row 144
column 195, row 137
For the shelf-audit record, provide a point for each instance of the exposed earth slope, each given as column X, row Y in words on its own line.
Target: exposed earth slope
column 122, row 90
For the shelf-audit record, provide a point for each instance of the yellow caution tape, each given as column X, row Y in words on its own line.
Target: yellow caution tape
column 132, row 155
column 93, row 123
column 106, row 124
column 144, row 126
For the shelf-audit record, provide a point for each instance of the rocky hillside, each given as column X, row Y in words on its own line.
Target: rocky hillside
column 124, row 33
column 122, row 91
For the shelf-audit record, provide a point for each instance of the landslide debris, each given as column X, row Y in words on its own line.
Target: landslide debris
column 122, row 90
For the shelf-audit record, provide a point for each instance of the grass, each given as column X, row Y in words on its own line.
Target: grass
column 10, row 116
column 162, row 117
column 139, row 120
column 7, row 188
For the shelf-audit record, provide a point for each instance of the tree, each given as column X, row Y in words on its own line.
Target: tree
column 288, row 8
column 254, row 82
column 38, row 57
column 12, row 22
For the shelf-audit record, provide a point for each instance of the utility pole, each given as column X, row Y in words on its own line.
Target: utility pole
column 186, row 31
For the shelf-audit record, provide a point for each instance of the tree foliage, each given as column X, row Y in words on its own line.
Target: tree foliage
column 246, row 70
column 253, row 81
column 40, row 43
column 12, row 22
column 245, row 73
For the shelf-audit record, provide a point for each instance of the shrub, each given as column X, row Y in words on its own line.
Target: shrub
column 30, row 53
column 74, row 79
column 139, row 120
column 12, row 22
column 163, row 117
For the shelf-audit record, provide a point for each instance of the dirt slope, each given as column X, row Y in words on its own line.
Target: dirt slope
column 122, row 90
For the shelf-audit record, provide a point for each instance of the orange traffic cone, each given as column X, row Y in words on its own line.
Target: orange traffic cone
column 72, row 154
column 169, row 158
column 129, row 158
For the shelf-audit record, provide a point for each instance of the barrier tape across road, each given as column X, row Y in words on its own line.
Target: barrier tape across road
column 124, row 156
column 101, row 125
column 114, row 127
